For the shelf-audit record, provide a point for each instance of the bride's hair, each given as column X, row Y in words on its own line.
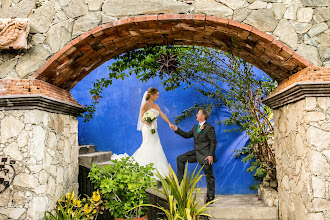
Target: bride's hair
column 151, row 91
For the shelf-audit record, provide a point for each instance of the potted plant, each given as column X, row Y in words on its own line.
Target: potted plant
column 181, row 197
column 122, row 186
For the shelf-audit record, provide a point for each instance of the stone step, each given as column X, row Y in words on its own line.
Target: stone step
column 234, row 219
column 241, row 207
column 86, row 149
column 233, row 207
column 87, row 160
column 102, row 164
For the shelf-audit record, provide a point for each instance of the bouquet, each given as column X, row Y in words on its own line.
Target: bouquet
column 150, row 116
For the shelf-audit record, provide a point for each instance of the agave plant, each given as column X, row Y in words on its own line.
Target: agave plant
column 182, row 196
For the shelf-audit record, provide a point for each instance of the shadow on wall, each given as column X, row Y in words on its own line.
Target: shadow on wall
column 114, row 127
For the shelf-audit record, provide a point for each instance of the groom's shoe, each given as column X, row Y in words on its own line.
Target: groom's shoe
column 209, row 199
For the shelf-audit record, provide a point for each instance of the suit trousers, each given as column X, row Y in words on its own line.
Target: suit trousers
column 190, row 157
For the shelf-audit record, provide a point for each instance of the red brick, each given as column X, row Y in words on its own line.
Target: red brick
column 216, row 21
column 106, row 26
column 301, row 61
column 139, row 19
column 246, row 27
column 97, row 31
column 199, row 17
column 262, row 36
column 169, row 17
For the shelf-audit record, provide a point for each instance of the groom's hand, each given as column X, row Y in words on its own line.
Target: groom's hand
column 174, row 127
column 210, row 159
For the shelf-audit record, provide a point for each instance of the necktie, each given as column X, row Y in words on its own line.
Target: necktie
column 198, row 128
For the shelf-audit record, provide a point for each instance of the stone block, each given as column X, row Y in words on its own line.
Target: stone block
column 32, row 61
column 305, row 15
column 286, row 33
column 13, row 213
column 75, row 8
column 315, row 216
column 5, row 197
column 315, row 116
column 122, row 8
column 42, row 18
column 262, row 19
column 318, row 138
column 86, row 22
column 38, row 142
column 319, row 187
column 240, row 14
column 321, row 204
column 59, row 35
column 25, row 180
column 279, row 10
column 233, row 4
column 310, row 53
column 317, row 29
column 291, row 11
column 310, row 103
column 324, row 39
column 213, row 8
column 258, row 5
column 319, row 165
column 301, row 28
column 40, row 205
column 95, row 5
column 10, row 127
column 21, row 9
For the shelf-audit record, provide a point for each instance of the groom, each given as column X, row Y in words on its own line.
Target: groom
column 203, row 153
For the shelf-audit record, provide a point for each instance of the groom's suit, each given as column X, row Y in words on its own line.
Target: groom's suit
column 204, row 146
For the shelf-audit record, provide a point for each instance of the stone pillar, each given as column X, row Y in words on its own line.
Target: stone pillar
column 41, row 134
column 302, row 149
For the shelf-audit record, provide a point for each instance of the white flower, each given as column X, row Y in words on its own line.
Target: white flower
column 150, row 115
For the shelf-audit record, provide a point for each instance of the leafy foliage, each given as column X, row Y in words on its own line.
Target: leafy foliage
column 123, row 186
column 220, row 77
column 181, row 196
column 69, row 208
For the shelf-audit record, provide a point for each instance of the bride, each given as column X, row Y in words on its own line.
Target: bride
column 151, row 150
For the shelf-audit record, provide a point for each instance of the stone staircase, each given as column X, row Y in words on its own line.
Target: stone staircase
column 227, row 207
column 88, row 156
column 241, row 207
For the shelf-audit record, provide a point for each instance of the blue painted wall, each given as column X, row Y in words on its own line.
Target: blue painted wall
column 114, row 127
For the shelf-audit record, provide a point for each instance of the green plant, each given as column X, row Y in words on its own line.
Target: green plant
column 123, row 186
column 181, row 196
column 69, row 208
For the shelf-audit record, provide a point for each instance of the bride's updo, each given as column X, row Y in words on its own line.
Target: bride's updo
column 151, row 91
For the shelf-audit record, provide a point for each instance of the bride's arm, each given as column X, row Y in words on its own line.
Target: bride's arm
column 143, row 110
column 164, row 117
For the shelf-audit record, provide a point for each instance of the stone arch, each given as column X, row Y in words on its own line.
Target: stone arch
column 88, row 51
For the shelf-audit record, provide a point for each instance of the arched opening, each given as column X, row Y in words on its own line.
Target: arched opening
column 91, row 49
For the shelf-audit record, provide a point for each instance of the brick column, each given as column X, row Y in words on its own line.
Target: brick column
column 301, row 106
column 39, row 130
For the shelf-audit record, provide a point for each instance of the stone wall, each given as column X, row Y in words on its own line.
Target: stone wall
column 302, row 149
column 303, row 25
column 45, row 146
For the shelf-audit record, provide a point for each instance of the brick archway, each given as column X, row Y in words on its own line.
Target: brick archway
column 91, row 49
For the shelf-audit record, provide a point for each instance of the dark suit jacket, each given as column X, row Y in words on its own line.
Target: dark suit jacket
column 204, row 142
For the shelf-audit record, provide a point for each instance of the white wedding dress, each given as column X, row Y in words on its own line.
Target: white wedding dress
column 151, row 150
